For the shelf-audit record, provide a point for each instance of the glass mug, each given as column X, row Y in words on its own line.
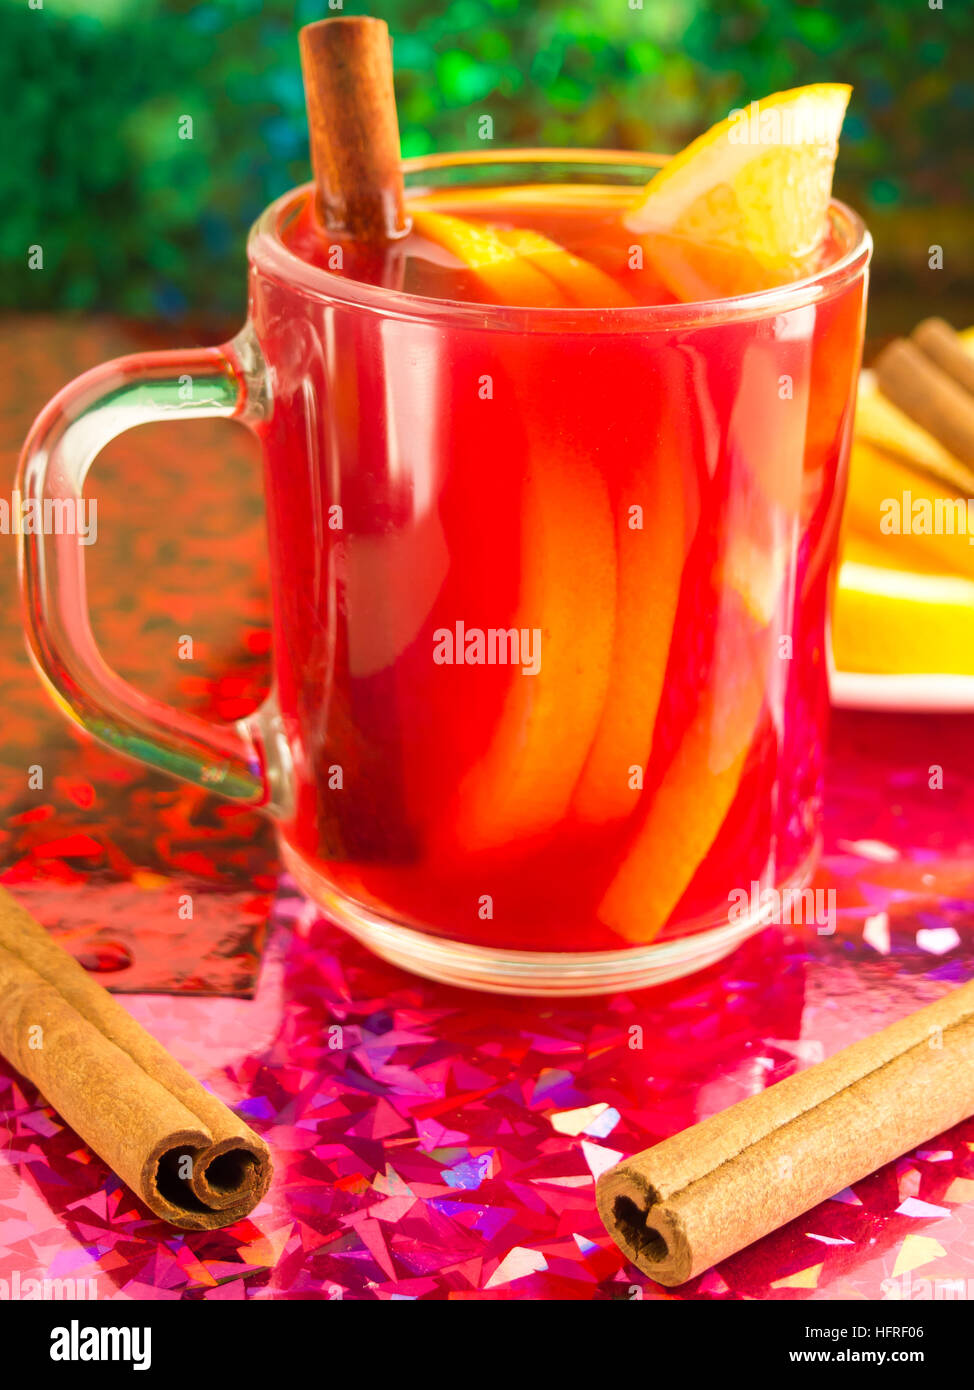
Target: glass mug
column 549, row 589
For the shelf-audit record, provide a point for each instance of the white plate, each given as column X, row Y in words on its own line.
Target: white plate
column 919, row 694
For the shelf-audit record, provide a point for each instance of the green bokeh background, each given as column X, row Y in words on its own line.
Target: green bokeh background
column 134, row 220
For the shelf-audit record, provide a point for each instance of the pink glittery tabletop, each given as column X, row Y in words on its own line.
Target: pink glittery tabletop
column 431, row 1143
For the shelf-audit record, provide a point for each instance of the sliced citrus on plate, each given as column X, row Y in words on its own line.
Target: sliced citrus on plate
column 918, row 521
column 884, row 426
column 893, row 622
column 745, row 206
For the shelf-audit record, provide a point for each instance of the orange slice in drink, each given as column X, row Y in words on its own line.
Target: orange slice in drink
column 522, row 786
column 688, row 806
column 722, row 675
column 519, row 265
column 583, row 283
column 745, row 206
column 650, row 568
column 510, row 278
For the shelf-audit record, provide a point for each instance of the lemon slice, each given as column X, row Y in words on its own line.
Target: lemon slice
column 891, row 622
column 919, row 522
column 882, row 424
column 745, row 206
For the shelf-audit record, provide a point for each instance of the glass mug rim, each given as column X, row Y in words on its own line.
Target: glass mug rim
column 269, row 255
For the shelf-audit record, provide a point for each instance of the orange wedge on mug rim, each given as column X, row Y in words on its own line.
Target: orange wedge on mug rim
column 745, row 206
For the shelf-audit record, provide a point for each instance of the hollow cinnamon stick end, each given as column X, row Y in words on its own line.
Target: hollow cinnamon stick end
column 235, row 1170
column 647, row 1233
column 200, row 1186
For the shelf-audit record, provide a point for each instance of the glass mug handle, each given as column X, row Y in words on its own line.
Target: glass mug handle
column 245, row 761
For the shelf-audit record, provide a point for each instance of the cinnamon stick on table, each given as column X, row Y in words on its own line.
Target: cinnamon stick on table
column 700, row 1196
column 942, row 345
column 179, row 1148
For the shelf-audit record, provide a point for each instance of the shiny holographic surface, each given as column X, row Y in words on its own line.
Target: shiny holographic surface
column 430, row 1143
column 157, row 885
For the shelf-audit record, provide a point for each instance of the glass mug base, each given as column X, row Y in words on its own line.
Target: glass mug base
column 537, row 973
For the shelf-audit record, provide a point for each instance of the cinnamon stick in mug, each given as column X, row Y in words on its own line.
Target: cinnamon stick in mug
column 179, row 1148
column 682, row 1206
column 353, row 126
column 353, row 130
